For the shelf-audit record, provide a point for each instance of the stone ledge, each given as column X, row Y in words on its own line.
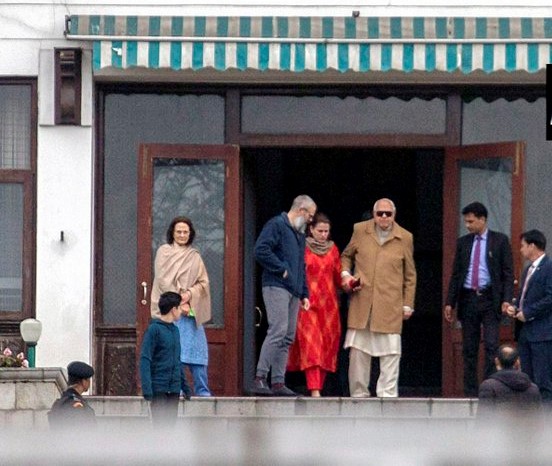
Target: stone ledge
column 34, row 374
column 247, row 407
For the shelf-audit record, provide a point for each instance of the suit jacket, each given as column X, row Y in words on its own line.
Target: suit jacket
column 499, row 264
column 537, row 304
column 387, row 274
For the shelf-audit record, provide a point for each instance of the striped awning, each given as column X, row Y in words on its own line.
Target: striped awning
column 297, row 44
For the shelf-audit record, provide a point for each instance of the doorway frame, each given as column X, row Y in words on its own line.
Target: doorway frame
column 115, row 341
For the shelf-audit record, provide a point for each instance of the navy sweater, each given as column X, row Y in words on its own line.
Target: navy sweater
column 280, row 247
column 160, row 369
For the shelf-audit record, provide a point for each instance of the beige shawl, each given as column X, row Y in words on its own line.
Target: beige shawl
column 180, row 269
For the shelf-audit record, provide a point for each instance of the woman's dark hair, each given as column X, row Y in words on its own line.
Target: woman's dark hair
column 319, row 217
column 170, row 230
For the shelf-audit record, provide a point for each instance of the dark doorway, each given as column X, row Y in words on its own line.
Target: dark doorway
column 345, row 183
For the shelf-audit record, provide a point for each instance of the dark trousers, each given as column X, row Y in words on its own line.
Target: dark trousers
column 164, row 409
column 477, row 310
column 536, row 362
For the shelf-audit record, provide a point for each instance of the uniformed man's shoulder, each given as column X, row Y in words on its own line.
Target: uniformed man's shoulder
column 69, row 399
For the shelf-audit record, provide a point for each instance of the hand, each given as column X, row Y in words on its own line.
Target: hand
column 407, row 312
column 185, row 309
column 345, row 283
column 520, row 316
column 505, row 307
column 186, row 296
column 351, row 284
column 305, row 304
column 510, row 311
column 448, row 313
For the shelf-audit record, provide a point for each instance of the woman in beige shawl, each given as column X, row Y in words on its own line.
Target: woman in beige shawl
column 179, row 268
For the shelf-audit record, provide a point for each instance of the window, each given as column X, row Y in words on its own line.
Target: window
column 17, row 166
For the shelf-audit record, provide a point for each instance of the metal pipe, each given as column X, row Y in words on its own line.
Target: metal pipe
column 309, row 40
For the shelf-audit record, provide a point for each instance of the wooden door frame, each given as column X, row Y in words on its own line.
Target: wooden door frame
column 116, row 342
column 233, row 315
column 515, row 149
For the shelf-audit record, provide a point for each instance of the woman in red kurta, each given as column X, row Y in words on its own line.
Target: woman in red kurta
column 318, row 329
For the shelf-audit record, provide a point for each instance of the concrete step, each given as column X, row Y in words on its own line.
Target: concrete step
column 256, row 407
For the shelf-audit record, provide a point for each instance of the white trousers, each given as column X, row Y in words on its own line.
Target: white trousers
column 360, row 364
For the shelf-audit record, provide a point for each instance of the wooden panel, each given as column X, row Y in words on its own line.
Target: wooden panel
column 116, row 361
column 218, row 363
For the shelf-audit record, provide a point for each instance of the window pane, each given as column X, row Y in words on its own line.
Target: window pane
column 488, row 181
column 15, row 127
column 195, row 189
column 333, row 115
column 11, row 246
column 130, row 120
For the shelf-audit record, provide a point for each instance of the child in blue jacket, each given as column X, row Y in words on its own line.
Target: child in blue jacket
column 160, row 368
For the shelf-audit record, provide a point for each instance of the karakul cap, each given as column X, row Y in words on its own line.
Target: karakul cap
column 80, row 370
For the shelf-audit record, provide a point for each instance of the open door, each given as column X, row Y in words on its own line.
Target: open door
column 202, row 183
column 493, row 175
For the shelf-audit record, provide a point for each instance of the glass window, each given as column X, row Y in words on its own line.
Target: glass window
column 196, row 189
column 11, row 246
column 15, row 127
column 350, row 115
column 17, row 188
column 129, row 121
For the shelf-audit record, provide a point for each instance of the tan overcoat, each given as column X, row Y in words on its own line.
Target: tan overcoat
column 388, row 277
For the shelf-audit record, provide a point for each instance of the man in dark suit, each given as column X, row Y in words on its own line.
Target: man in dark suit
column 535, row 311
column 480, row 289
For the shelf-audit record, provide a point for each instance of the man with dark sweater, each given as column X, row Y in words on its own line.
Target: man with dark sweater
column 508, row 390
column 280, row 250
column 160, row 369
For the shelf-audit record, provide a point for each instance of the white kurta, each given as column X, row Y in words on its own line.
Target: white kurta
column 372, row 343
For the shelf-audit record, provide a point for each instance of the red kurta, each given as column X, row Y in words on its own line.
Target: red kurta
column 319, row 329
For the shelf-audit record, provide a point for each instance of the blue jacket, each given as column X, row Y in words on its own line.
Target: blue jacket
column 537, row 304
column 160, row 370
column 280, row 247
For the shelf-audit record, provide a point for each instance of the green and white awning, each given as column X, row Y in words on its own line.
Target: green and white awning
column 297, row 44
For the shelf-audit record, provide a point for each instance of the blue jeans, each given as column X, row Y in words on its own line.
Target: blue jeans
column 199, row 374
column 281, row 311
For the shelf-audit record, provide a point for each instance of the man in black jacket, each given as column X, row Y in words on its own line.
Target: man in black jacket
column 508, row 390
column 72, row 410
column 480, row 289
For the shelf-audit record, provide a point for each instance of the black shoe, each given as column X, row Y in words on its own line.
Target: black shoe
column 283, row 391
column 260, row 388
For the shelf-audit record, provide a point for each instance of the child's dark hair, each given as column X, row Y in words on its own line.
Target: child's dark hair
column 167, row 301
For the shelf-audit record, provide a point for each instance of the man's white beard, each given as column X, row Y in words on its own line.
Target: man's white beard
column 300, row 224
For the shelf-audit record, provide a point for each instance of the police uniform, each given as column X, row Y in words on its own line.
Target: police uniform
column 72, row 408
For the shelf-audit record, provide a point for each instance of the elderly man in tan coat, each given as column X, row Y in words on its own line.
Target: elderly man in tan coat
column 379, row 271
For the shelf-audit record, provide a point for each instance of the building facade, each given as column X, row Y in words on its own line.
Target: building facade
column 118, row 116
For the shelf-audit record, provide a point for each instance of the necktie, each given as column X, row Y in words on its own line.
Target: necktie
column 529, row 273
column 475, row 264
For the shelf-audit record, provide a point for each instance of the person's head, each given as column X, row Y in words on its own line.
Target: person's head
column 320, row 226
column 79, row 375
column 169, row 301
column 301, row 212
column 384, row 212
column 475, row 217
column 507, row 358
column 181, row 230
column 533, row 244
